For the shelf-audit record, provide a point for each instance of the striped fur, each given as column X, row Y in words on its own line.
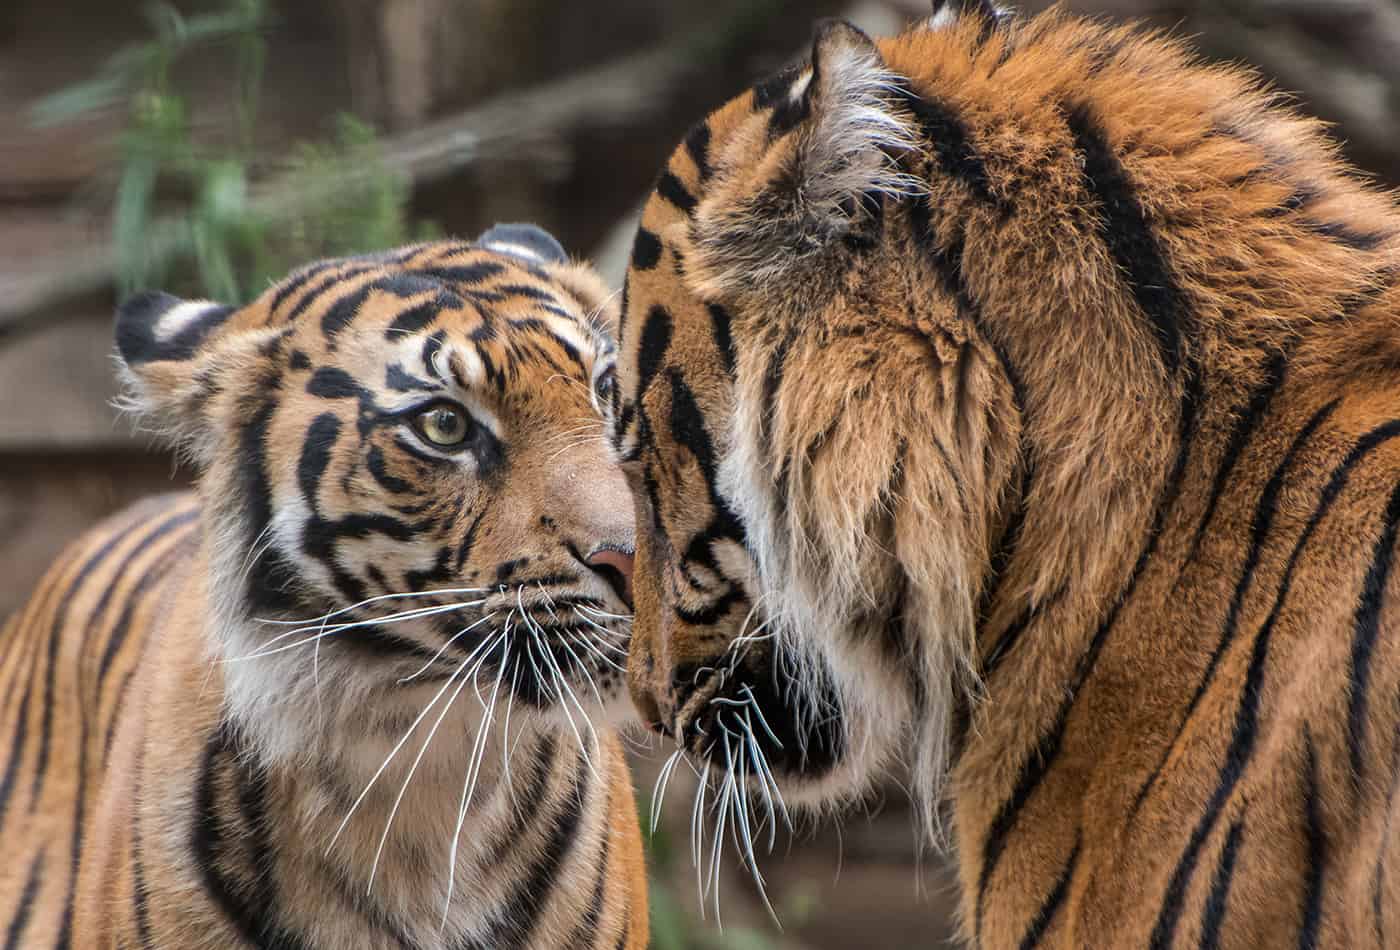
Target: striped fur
column 1062, row 449
column 175, row 770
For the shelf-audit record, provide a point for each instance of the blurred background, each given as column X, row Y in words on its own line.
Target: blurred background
column 209, row 146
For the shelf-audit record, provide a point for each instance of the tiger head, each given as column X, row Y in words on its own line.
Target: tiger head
column 403, row 479
column 864, row 306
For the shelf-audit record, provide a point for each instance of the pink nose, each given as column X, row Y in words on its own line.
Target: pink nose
column 616, row 568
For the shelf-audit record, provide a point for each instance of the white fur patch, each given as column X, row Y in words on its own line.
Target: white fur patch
column 179, row 317
column 516, row 250
column 856, row 136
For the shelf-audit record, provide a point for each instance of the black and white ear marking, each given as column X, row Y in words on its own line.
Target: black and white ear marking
column 157, row 327
column 947, row 12
column 529, row 242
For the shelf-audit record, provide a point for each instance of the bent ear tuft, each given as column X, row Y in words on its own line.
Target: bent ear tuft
column 947, row 12
column 856, row 135
column 163, row 345
column 843, row 161
column 528, row 242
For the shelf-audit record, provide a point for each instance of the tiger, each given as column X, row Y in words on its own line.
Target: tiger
column 1019, row 397
column 343, row 693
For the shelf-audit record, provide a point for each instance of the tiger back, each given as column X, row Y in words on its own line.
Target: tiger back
column 355, row 689
column 1020, row 396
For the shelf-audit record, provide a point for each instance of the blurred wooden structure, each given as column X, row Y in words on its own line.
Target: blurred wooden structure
column 505, row 109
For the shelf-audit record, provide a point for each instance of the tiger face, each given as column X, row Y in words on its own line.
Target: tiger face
column 402, row 466
column 811, row 536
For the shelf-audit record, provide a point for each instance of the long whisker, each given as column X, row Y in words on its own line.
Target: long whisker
column 443, row 649
column 663, row 779
column 374, row 600
column 469, row 783
column 400, row 744
column 422, row 749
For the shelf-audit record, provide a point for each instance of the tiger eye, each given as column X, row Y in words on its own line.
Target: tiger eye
column 443, row 425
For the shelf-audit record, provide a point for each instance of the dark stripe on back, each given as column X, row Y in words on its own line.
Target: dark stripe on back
column 1366, row 628
column 20, row 921
column 1045, row 914
column 1261, row 530
column 1245, row 425
column 1038, row 764
column 1246, row 717
column 1317, row 848
column 1214, row 913
column 1125, row 230
column 952, row 144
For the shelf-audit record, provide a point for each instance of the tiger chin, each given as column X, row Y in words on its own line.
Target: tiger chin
column 1018, row 397
column 356, row 689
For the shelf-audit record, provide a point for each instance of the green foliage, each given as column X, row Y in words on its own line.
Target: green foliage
column 176, row 197
column 674, row 926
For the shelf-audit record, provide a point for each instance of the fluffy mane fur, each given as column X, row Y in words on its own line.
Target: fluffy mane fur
column 1023, row 452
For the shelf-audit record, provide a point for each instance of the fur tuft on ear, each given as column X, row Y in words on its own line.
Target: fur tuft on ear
column 854, row 136
column 948, row 12
column 164, row 347
column 847, row 139
column 529, row 242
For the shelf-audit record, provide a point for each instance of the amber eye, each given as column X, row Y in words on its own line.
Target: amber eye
column 603, row 385
column 444, row 425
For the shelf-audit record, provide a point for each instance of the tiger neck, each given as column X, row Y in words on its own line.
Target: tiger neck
column 400, row 801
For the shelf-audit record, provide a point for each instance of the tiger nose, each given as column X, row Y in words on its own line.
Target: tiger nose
column 615, row 567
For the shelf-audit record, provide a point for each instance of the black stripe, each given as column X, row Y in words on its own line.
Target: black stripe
column 1317, row 848
column 587, row 928
column 140, row 907
column 651, row 350
column 1366, row 628
column 390, row 483
column 317, row 290
column 646, row 250
column 1045, row 914
column 668, row 186
column 952, row 144
column 1243, row 735
column 414, row 319
column 214, row 847
column 1382, row 850
column 154, row 573
column 1125, row 230
column 1245, row 425
column 526, row 804
column 1038, row 764
column 697, row 143
column 20, row 921
column 721, row 328
column 296, row 282
column 1262, row 528
column 55, row 638
column 516, row 918
column 1214, row 913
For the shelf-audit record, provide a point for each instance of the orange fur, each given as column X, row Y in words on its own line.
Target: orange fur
column 1018, row 454
column 170, row 780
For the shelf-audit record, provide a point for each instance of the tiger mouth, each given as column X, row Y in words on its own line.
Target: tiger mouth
column 754, row 713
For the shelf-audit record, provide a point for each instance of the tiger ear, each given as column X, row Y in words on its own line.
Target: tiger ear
column 529, row 242
column 855, row 133
column 849, row 131
column 169, row 368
